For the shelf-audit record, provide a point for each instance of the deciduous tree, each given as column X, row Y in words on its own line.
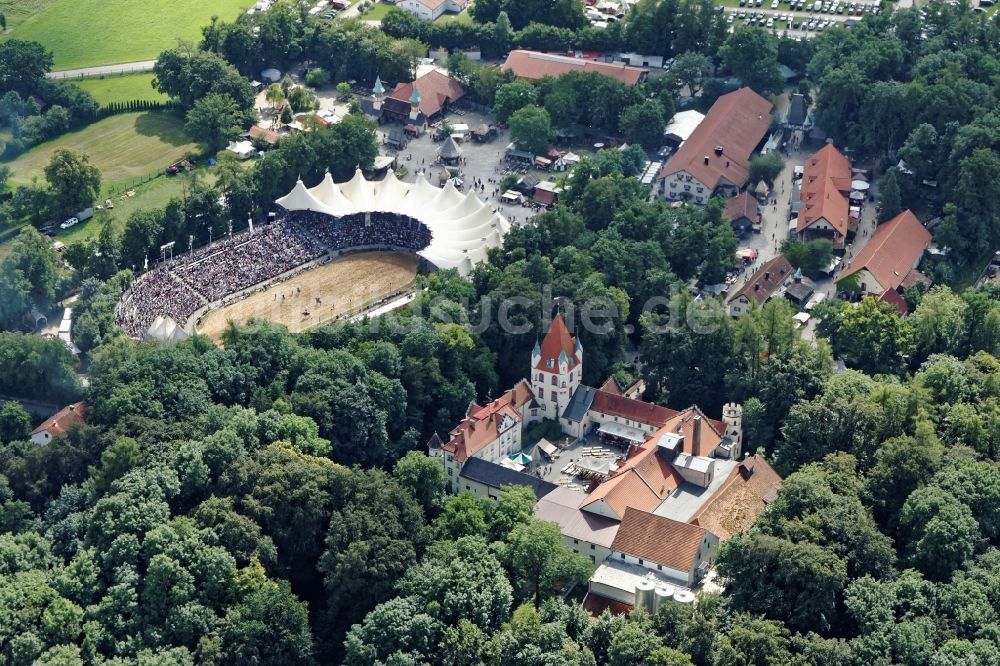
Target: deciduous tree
column 75, row 182
column 531, row 129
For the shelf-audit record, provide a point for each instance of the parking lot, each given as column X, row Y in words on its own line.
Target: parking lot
column 798, row 17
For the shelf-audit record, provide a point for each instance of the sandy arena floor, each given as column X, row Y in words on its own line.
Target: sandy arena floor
column 325, row 292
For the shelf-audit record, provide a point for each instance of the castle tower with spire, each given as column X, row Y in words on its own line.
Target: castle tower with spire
column 378, row 93
column 415, row 103
column 556, row 369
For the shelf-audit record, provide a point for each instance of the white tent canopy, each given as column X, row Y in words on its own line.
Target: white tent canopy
column 462, row 226
column 165, row 329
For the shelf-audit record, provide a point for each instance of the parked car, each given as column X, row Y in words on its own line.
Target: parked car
column 69, row 223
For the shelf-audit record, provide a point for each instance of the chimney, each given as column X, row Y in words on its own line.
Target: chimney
column 706, row 160
column 696, row 439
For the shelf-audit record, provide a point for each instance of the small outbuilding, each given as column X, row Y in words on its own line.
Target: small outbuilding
column 449, row 152
column 244, row 150
column 743, row 212
column 59, row 423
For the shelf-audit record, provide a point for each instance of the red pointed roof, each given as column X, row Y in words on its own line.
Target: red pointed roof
column 826, row 182
column 616, row 404
column 557, row 341
column 736, row 123
column 435, row 89
column 481, row 424
column 734, row 507
column 659, row 539
column 610, row 385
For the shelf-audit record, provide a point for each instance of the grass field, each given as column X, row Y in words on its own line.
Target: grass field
column 377, row 12
column 125, row 147
column 84, row 33
column 343, row 285
column 152, row 195
column 109, row 89
column 461, row 17
column 18, row 11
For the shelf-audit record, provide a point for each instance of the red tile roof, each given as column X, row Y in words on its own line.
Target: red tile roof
column 913, row 277
column 657, row 539
column 595, row 604
column 545, row 197
column 643, row 481
column 61, row 421
column 734, row 507
column 629, row 408
column 892, row 251
column 269, row 135
column 896, row 300
column 557, row 341
column 700, row 441
column 768, row 278
column 826, row 182
column 436, row 90
column 742, row 205
column 533, row 66
column 736, row 123
column 481, row 424
column 610, row 385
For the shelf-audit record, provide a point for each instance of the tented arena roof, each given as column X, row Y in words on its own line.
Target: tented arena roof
column 462, row 226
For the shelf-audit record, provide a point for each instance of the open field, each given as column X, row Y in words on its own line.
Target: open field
column 126, row 88
column 461, row 17
column 152, row 195
column 342, row 285
column 125, row 147
column 83, row 33
column 377, row 12
column 18, row 11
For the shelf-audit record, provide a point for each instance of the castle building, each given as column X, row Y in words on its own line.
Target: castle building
column 554, row 390
column 657, row 495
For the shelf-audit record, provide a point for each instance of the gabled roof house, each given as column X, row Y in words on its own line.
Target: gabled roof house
column 717, row 154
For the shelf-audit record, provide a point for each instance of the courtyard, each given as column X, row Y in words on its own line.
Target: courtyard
column 575, row 461
column 481, row 163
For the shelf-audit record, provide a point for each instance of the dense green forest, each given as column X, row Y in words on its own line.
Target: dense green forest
column 262, row 502
column 267, row 501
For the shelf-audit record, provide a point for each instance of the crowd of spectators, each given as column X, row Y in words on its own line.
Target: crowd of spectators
column 366, row 230
column 242, row 261
column 153, row 294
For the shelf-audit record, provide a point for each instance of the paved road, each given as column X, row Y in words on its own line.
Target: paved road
column 774, row 228
column 126, row 67
column 41, row 410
